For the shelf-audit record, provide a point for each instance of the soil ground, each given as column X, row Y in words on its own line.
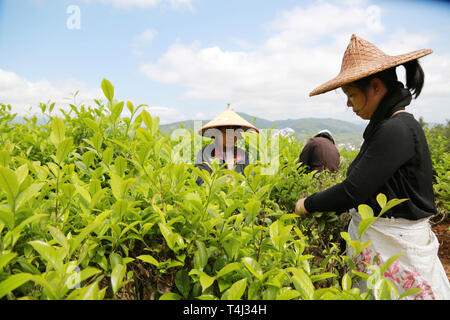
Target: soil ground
column 442, row 232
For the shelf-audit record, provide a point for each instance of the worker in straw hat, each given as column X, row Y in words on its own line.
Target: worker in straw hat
column 225, row 129
column 394, row 160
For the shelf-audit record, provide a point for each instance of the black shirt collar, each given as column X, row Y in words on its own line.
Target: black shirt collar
column 396, row 98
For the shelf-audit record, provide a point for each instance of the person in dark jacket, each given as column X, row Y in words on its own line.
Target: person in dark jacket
column 320, row 153
column 226, row 129
column 394, row 160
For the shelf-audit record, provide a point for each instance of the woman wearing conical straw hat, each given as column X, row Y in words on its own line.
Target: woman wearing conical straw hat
column 394, row 160
column 226, row 129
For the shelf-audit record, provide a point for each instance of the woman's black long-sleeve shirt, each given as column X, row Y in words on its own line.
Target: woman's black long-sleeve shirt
column 394, row 160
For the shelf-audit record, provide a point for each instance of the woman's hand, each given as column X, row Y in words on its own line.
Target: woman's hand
column 300, row 207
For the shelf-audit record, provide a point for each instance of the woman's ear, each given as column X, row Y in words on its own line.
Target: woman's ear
column 377, row 86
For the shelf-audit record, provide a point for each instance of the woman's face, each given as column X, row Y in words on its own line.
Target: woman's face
column 228, row 137
column 364, row 103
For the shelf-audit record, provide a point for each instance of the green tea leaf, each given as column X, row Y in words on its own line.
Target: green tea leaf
column 83, row 192
column 392, row 203
column 200, row 256
column 207, row 297
column 58, row 236
column 149, row 259
column 18, row 229
column 108, row 155
column 302, row 283
column 77, row 277
column 108, row 89
column 237, row 289
column 50, row 254
column 29, row 193
column 120, row 165
column 5, row 258
column 91, row 124
column 205, row 280
column 90, row 292
column 346, row 282
column 253, row 266
column 21, row 173
column 69, row 190
column 384, row 290
column 116, row 186
column 362, row 275
column 322, row 276
column 288, row 294
column 58, row 133
column 7, row 216
column 120, row 208
column 117, row 277
column 365, row 224
column 64, row 148
column 228, row 268
column 183, row 282
column 155, row 125
column 389, row 262
column 13, row 282
column 410, row 292
column 130, row 107
column 97, row 197
column 97, row 141
column 365, row 211
column 147, row 118
column 346, row 236
column 381, row 199
column 76, row 242
column 253, row 207
column 8, row 182
column 117, row 111
column 4, row 158
column 170, row 296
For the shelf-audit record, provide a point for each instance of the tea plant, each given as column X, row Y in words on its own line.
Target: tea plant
column 438, row 142
column 98, row 206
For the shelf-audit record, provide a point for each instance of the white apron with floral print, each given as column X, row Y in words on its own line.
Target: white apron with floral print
column 418, row 267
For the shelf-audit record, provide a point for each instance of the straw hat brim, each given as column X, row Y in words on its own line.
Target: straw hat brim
column 238, row 126
column 228, row 118
column 355, row 73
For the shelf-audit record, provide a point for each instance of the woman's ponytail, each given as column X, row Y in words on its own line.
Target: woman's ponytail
column 414, row 77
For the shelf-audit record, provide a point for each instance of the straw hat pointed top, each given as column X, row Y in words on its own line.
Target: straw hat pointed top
column 362, row 59
column 226, row 119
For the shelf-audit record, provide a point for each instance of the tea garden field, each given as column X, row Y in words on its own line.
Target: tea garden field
column 98, row 205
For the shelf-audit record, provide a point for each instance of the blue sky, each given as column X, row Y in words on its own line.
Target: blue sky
column 187, row 59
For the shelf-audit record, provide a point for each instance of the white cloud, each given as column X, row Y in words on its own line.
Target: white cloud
column 276, row 84
column 318, row 21
column 401, row 41
column 24, row 96
column 140, row 41
column 273, row 80
column 166, row 114
column 175, row 4
column 133, row 3
column 200, row 116
column 276, row 77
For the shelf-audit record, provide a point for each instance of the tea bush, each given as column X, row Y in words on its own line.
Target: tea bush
column 96, row 205
column 438, row 139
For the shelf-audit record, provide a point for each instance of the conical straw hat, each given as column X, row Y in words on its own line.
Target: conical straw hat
column 361, row 59
column 226, row 119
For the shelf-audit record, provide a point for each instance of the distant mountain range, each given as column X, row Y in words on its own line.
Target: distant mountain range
column 344, row 132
